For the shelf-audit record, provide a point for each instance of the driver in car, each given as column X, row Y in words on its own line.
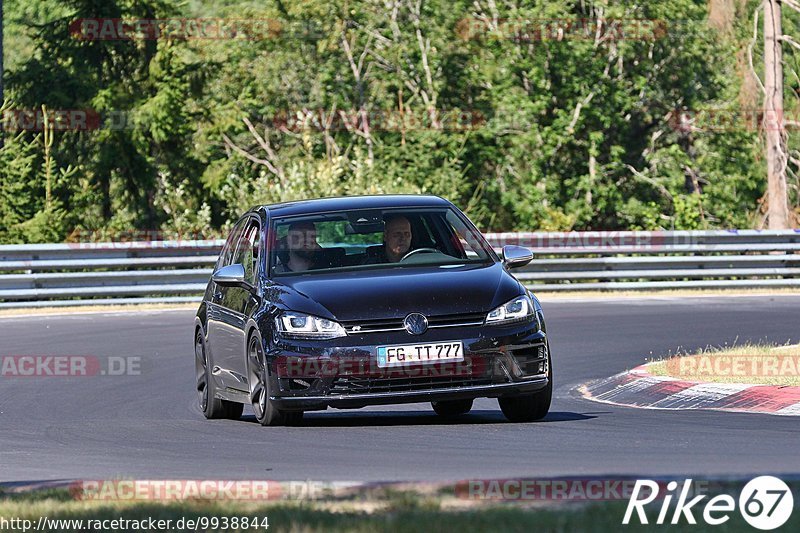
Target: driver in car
column 396, row 238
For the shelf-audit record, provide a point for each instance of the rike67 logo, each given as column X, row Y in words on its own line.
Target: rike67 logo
column 765, row 503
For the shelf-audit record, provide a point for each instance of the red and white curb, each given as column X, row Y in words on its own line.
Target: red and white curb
column 639, row 388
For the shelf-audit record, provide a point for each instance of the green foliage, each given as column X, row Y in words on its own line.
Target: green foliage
column 25, row 216
column 528, row 133
column 19, row 186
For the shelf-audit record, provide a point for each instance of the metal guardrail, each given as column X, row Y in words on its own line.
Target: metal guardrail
column 175, row 271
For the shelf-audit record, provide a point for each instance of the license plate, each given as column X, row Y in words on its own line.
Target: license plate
column 404, row 354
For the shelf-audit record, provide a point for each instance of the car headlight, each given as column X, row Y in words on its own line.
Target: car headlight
column 519, row 309
column 300, row 326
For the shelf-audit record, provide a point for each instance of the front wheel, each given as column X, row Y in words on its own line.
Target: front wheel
column 449, row 408
column 263, row 407
column 530, row 407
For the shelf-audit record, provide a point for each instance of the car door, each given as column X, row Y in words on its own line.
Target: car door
column 221, row 323
column 238, row 303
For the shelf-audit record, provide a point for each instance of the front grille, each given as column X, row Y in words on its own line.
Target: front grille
column 464, row 319
column 359, row 385
column 373, row 326
column 396, row 324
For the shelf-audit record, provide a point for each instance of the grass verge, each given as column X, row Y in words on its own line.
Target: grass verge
column 396, row 511
column 749, row 363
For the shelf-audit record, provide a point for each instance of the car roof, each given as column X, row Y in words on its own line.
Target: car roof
column 343, row 203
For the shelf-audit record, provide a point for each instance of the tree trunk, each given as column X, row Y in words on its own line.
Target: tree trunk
column 2, row 93
column 777, row 201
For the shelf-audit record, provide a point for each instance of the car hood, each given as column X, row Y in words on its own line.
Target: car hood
column 395, row 292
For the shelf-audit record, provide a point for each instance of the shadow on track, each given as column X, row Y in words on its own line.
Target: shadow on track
column 421, row 418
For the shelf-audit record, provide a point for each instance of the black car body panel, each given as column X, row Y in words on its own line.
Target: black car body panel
column 395, row 293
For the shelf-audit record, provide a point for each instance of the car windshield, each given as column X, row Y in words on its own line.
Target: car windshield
column 374, row 239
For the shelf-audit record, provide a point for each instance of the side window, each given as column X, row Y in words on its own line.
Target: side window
column 226, row 256
column 425, row 234
column 248, row 251
column 464, row 240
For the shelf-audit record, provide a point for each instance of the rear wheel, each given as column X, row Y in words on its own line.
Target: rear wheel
column 211, row 406
column 264, row 408
column 449, row 408
column 530, row 407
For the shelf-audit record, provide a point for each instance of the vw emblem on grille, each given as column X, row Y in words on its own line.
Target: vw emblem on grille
column 416, row 324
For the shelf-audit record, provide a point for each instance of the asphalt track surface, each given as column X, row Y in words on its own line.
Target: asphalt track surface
column 148, row 426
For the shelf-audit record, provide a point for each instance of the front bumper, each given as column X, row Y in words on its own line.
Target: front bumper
column 355, row 401
column 343, row 372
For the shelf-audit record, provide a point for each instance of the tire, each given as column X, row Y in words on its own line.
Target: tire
column 529, row 407
column 233, row 410
column 450, row 408
column 293, row 418
column 211, row 406
column 264, row 409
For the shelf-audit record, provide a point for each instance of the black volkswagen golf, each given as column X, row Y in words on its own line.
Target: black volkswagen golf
column 349, row 302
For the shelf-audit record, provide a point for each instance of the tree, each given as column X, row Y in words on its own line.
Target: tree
column 543, row 114
column 2, row 70
column 774, row 116
column 2, row 73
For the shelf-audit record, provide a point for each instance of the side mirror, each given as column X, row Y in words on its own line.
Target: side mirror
column 231, row 276
column 516, row 256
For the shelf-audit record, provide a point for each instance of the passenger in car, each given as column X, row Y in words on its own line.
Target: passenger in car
column 299, row 249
